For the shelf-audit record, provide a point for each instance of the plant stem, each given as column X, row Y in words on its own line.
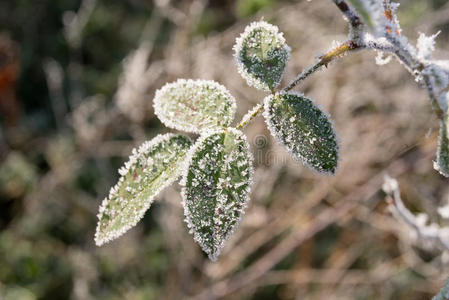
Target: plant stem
column 353, row 18
column 410, row 61
column 324, row 60
column 251, row 114
column 356, row 42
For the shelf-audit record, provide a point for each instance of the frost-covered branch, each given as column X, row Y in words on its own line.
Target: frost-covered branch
column 351, row 15
column 433, row 75
column 380, row 18
column 432, row 233
column 324, row 60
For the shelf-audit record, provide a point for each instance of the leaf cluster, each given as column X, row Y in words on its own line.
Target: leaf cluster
column 217, row 168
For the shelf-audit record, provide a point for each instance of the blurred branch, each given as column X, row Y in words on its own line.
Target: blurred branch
column 55, row 78
column 434, row 234
column 74, row 23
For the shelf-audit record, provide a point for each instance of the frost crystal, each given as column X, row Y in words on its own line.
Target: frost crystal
column 305, row 130
column 442, row 163
column 372, row 11
column 152, row 167
column 261, row 54
column 216, row 187
column 194, row 105
column 426, row 45
column 381, row 59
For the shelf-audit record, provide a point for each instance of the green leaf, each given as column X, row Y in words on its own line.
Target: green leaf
column 261, row 54
column 154, row 166
column 301, row 127
column 194, row 105
column 442, row 163
column 216, row 187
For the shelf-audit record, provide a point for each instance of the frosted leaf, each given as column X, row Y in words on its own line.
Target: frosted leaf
column 194, row 105
column 444, row 293
column 261, row 54
column 301, row 127
column 152, row 167
column 216, row 187
column 442, row 163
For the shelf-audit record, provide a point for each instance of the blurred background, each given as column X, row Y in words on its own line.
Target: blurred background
column 77, row 78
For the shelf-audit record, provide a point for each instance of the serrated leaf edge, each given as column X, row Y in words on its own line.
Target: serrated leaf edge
column 188, row 161
column 158, row 98
column 251, row 79
column 296, row 157
column 136, row 152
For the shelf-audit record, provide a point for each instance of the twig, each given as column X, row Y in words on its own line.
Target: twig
column 358, row 40
column 352, row 16
column 436, row 235
column 324, row 60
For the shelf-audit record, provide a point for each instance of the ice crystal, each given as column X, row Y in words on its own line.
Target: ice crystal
column 194, row 105
column 442, row 162
column 305, row 130
column 151, row 167
column 261, row 54
column 216, row 187
column 426, row 45
column 382, row 59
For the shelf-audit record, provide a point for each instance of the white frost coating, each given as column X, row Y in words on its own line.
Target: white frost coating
column 426, row 45
column 439, row 82
column 251, row 38
column 443, row 64
column 438, row 72
column 136, row 210
column 382, row 58
column 226, row 195
column 248, row 117
column 288, row 135
column 431, row 235
column 194, row 105
column 442, row 163
column 376, row 14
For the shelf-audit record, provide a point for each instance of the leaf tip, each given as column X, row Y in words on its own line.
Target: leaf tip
column 261, row 54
